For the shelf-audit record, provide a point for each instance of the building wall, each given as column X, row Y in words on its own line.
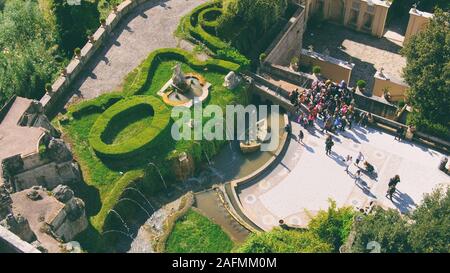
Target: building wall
column 333, row 69
column 418, row 20
column 396, row 89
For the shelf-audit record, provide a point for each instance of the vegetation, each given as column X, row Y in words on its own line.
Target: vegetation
column 427, row 72
column 27, row 50
column 316, row 69
column 326, row 232
column 361, row 84
column 195, row 233
column 427, row 229
column 111, row 176
column 129, row 128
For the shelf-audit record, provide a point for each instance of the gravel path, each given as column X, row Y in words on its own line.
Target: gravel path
column 149, row 27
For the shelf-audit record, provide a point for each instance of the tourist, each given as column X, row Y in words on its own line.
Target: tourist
column 328, row 124
column 357, row 176
column 394, row 181
column 348, row 162
column 390, row 192
column 300, row 136
column 370, row 118
column 399, row 133
column 328, row 144
column 369, row 167
column 359, row 158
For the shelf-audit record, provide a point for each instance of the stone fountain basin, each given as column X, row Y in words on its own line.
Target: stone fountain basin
column 174, row 98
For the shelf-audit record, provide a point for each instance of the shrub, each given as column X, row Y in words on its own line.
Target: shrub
column 208, row 18
column 425, row 126
column 262, row 57
column 48, row 87
column 140, row 142
column 234, row 55
column 97, row 105
column 77, row 51
column 316, row 69
column 361, row 83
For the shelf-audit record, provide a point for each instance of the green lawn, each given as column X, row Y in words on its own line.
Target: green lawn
column 194, row 233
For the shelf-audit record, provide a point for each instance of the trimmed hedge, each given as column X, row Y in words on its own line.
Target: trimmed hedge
column 208, row 18
column 95, row 106
column 140, row 142
column 140, row 78
column 194, row 25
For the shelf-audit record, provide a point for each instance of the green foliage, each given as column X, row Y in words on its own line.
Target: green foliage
column 74, row 22
column 284, row 241
column 27, row 52
column 125, row 112
column 316, row 69
column 327, row 231
column 208, row 18
column 431, row 229
column 262, row 57
column 333, row 226
column 361, row 83
column 194, row 233
column 428, row 127
column 426, row 230
column 260, row 14
column 427, row 72
column 98, row 105
column 234, row 55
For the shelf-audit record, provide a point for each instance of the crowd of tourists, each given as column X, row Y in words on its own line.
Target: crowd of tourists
column 333, row 103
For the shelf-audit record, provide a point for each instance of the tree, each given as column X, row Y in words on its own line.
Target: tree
column 426, row 230
column 261, row 14
column 27, row 50
column 431, row 229
column 428, row 69
column 386, row 227
column 333, row 226
column 284, row 241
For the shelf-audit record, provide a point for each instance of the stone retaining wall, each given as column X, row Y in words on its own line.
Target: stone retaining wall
column 62, row 85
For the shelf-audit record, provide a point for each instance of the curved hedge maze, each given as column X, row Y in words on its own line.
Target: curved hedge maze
column 153, row 116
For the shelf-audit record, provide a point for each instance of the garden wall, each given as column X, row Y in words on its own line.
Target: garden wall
column 396, row 87
column 332, row 68
column 61, row 86
column 289, row 42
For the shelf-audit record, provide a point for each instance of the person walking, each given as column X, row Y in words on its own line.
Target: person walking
column 358, row 176
column 300, row 136
column 394, row 181
column 399, row 133
column 328, row 145
column 348, row 162
column 390, row 192
column 359, row 158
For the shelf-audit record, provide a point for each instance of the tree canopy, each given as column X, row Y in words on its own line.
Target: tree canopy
column 427, row 229
column 428, row 71
column 27, row 48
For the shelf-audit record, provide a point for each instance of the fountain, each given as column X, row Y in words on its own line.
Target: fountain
column 160, row 175
column 118, row 231
column 136, row 203
column 141, row 194
column 121, row 220
column 182, row 89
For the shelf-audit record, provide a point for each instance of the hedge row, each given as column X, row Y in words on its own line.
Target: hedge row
column 138, row 144
column 208, row 18
column 139, row 79
column 194, row 24
column 94, row 106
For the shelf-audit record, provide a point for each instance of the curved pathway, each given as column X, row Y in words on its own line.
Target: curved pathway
column 305, row 178
column 149, row 27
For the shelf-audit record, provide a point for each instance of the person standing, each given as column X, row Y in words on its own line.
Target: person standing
column 328, row 145
column 358, row 176
column 300, row 136
column 394, row 181
column 348, row 162
column 359, row 158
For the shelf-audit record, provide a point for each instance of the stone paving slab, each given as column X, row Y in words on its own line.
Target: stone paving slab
column 306, row 178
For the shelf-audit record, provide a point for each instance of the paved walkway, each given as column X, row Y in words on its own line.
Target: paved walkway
column 306, row 178
column 149, row 27
column 367, row 52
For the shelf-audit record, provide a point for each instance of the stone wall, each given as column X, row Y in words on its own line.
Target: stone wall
column 332, row 68
column 418, row 20
column 11, row 243
column 397, row 88
column 289, row 41
column 61, row 87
